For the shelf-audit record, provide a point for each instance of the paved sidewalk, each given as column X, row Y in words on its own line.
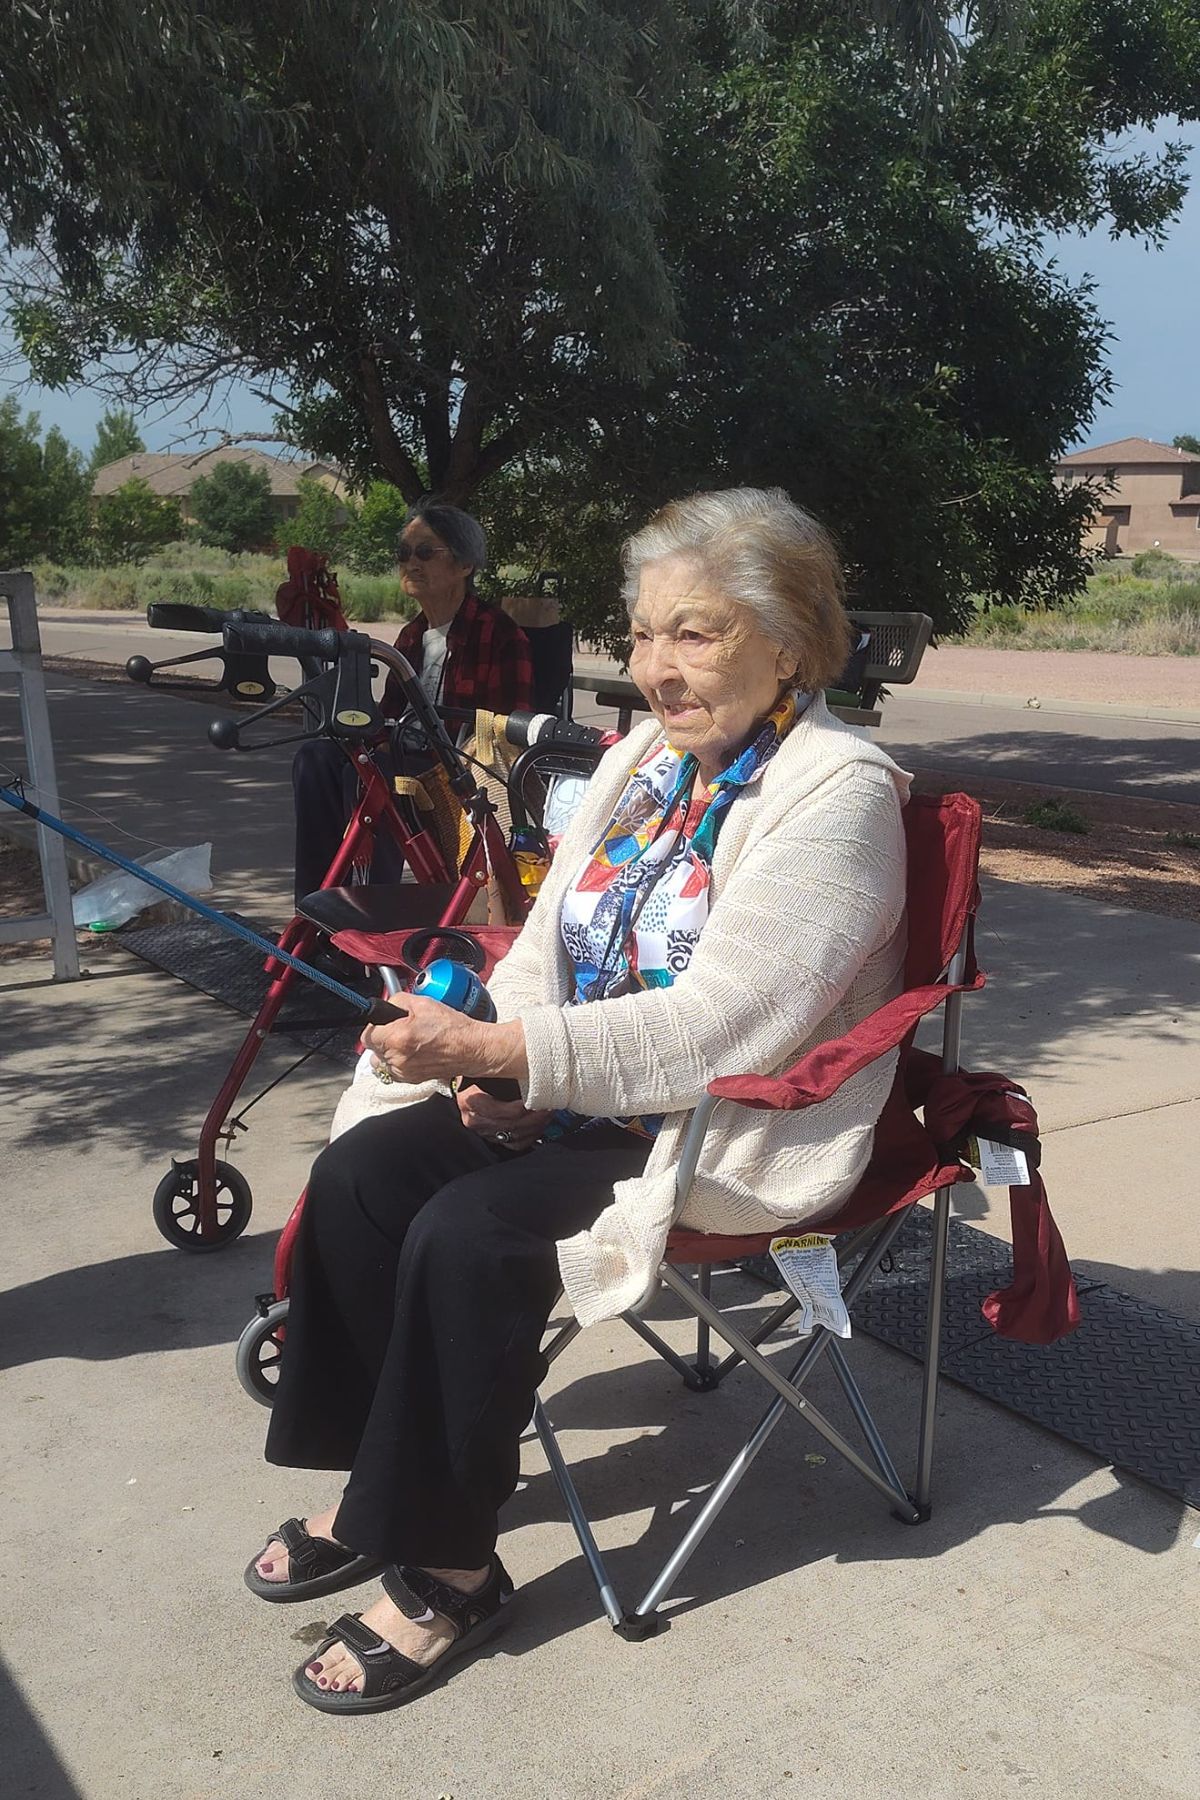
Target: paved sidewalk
column 816, row 1647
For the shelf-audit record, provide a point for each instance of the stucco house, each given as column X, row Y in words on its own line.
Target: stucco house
column 173, row 474
column 1152, row 497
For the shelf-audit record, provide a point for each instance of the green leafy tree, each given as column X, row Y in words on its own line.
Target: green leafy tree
column 866, row 316
column 319, row 519
column 66, row 486
column 22, row 505
column 133, row 521
column 1187, row 441
column 374, row 529
column 627, row 249
column 116, row 436
column 43, row 492
column 431, row 228
column 232, row 507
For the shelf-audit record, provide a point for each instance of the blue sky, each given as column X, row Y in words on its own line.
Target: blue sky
column 1149, row 296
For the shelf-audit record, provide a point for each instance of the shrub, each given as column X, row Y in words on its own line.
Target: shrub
column 1056, row 815
column 237, row 590
column 1158, row 564
column 132, row 521
column 1182, row 840
column 319, row 518
column 112, row 590
column 233, row 507
column 370, row 597
column 190, row 553
column 373, row 531
column 1000, row 622
column 51, row 581
column 192, row 586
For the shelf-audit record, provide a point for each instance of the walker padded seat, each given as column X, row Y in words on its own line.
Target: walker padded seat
column 374, row 910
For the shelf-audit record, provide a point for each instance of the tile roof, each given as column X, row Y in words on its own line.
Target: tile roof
column 1125, row 450
column 174, row 472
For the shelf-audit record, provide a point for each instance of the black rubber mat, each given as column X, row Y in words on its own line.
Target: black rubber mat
column 229, row 970
column 1125, row 1385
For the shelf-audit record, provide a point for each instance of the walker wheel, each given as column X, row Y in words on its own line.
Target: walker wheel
column 177, row 1206
column 258, row 1351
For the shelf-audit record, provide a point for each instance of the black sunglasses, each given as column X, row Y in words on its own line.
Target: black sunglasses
column 422, row 552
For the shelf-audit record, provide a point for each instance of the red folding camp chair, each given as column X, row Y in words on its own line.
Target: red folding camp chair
column 910, row 1161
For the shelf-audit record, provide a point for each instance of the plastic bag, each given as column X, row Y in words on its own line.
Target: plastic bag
column 564, row 796
column 114, row 899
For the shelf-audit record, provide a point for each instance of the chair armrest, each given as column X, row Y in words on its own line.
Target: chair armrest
column 822, row 1072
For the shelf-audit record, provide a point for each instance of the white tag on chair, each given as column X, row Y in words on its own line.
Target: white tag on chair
column 1001, row 1165
column 809, row 1268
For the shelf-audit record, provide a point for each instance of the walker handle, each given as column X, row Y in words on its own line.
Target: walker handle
column 276, row 639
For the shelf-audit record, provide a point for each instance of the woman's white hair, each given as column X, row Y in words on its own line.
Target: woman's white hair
column 761, row 551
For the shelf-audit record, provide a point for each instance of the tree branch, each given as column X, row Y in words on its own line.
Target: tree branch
column 390, row 453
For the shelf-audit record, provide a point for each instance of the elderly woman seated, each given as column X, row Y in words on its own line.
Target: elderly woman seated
column 730, row 893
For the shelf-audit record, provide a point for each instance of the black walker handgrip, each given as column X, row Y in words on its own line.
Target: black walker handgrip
column 277, row 639
column 182, row 615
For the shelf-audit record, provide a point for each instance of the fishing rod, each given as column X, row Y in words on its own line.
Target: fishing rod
column 377, row 1011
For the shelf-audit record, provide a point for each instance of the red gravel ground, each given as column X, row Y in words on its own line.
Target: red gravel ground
column 1144, row 854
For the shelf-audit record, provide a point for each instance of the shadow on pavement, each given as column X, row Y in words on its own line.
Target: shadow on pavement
column 1143, row 761
column 1055, row 974
column 32, row 1771
column 91, row 1073
column 160, row 1299
column 791, row 1513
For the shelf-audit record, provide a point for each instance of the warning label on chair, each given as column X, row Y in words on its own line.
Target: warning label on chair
column 809, row 1269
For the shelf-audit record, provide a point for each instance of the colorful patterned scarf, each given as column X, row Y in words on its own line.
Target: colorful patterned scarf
column 633, row 915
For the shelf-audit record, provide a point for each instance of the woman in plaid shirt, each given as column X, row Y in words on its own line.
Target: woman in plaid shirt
column 468, row 654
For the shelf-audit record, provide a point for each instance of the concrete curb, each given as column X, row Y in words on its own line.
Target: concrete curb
column 1105, row 709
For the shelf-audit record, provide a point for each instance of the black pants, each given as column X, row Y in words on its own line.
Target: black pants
column 423, row 1277
column 325, row 788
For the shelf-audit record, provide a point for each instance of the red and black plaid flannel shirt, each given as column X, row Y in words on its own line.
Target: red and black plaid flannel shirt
column 487, row 661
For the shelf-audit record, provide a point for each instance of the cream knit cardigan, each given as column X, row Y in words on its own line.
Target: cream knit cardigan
column 805, row 937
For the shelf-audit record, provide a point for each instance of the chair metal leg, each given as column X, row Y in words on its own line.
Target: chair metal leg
column 935, row 1311
column 648, row 1605
column 672, row 1358
column 579, row 1519
column 701, row 1524
column 866, row 1423
column 706, row 1377
column 784, row 1386
column 779, row 1316
column 566, row 1334
column 936, row 1302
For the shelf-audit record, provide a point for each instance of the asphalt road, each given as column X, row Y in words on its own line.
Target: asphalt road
column 1098, row 753
column 1095, row 753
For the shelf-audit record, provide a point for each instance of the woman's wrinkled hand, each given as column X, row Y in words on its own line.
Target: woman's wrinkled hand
column 506, row 1122
column 434, row 1043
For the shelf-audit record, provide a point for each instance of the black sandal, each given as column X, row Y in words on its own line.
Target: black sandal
column 389, row 1677
column 315, row 1566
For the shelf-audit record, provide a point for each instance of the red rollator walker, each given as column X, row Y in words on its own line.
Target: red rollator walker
column 204, row 1201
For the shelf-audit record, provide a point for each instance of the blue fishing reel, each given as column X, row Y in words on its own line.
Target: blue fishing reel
column 453, row 984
